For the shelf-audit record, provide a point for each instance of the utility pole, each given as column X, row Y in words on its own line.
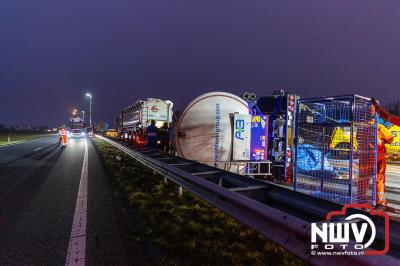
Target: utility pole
column 90, row 109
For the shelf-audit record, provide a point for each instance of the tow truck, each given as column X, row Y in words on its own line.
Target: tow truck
column 340, row 141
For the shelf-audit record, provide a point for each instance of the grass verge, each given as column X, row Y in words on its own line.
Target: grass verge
column 182, row 230
column 17, row 137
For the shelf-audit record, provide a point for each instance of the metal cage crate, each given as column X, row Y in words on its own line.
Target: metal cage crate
column 336, row 149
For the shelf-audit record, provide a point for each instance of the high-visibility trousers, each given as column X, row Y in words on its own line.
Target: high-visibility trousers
column 380, row 182
column 64, row 140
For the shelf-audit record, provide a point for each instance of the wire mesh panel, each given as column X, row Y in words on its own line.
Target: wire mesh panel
column 336, row 149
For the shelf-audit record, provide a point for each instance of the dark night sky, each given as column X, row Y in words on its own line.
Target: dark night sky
column 52, row 52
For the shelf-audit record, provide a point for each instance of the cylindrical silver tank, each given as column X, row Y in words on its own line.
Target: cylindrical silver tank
column 203, row 132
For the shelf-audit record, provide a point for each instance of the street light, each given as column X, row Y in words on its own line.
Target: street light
column 90, row 110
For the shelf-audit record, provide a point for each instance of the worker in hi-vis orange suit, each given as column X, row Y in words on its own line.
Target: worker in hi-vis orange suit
column 384, row 137
column 63, row 136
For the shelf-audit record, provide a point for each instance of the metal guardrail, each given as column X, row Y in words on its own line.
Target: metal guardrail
column 288, row 231
column 247, row 168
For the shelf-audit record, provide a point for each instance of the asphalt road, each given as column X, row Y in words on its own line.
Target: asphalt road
column 39, row 183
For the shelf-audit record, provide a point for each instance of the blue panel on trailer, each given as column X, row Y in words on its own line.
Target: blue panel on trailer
column 258, row 138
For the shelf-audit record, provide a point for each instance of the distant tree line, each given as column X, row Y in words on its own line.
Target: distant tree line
column 7, row 128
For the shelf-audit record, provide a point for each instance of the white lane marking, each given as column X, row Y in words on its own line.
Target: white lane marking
column 21, row 142
column 76, row 254
column 37, row 149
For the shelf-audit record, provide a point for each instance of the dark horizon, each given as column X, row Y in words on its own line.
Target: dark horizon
column 53, row 53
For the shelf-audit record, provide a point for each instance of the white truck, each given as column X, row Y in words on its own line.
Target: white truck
column 76, row 128
column 133, row 120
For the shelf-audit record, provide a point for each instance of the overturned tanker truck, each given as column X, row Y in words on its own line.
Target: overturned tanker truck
column 247, row 135
column 298, row 142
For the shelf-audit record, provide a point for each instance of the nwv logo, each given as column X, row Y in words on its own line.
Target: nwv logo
column 340, row 232
column 337, row 235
